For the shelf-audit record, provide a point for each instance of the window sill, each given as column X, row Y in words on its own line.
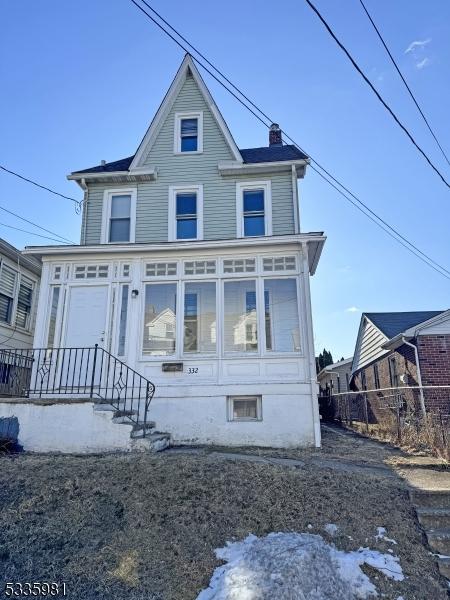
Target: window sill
column 188, row 153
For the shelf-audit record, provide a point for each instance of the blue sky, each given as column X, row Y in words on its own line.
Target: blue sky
column 81, row 81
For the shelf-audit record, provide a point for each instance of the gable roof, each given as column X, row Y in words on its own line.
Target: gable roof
column 393, row 323
column 249, row 155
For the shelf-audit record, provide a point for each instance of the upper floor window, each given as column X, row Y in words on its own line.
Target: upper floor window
column 8, row 282
column 188, row 135
column 185, row 213
column 16, row 298
column 254, row 209
column 119, row 216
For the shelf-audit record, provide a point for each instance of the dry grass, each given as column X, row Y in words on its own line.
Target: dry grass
column 131, row 527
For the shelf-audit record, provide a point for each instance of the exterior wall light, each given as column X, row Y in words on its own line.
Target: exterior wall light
column 134, row 293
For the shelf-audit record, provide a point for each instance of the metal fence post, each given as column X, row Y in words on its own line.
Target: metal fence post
column 93, row 371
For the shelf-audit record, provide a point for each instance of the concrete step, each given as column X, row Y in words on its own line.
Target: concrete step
column 139, row 429
column 439, row 540
column 444, row 566
column 154, row 442
column 423, row 499
column 434, row 518
column 124, row 416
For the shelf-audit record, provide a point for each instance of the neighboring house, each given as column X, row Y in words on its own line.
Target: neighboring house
column 19, row 286
column 193, row 270
column 335, row 378
column 404, row 349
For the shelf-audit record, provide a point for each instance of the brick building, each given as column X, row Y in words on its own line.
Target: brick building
column 404, row 349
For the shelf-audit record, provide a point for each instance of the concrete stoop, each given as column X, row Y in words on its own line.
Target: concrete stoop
column 144, row 436
column 433, row 512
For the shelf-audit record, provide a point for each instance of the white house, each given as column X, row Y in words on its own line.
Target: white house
column 193, row 271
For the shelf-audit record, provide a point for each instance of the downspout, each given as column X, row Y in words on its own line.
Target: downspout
column 419, row 374
column 295, row 200
column 84, row 187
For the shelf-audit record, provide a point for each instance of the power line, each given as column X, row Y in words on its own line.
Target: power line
column 30, row 232
column 375, row 91
column 77, row 202
column 36, row 225
column 377, row 220
column 404, row 80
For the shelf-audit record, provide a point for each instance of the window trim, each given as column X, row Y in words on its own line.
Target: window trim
column 194, row 355
column 230, row 411
column 106, row 217
column 172, row 225
column 177, row 132
column 243, row 186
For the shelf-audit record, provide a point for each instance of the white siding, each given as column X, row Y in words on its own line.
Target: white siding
column 368, row 345
column 440, row 328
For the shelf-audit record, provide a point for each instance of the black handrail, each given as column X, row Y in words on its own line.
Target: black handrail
column 82, row 372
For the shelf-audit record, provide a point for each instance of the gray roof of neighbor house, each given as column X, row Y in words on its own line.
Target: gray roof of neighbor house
column 393, row 323
column 249, row 156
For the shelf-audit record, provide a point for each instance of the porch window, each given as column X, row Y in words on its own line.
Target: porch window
column 160, row 319
column 240, row 321
column 200, row 329
column 24, row 303
column 8, row 279
column 123, row 321
column 52, row 317
column 281, row 315
column 120, row 219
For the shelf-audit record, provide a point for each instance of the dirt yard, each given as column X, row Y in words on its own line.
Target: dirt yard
column 135, row 527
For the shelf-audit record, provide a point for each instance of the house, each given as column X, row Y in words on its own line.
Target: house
column 396, row 349
column 19, row 285
column 193, row 272
column 336, row 377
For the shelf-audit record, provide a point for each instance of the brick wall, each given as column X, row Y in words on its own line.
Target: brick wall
column 434, row 357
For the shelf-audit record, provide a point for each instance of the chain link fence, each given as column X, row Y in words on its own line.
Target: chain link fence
column 396, row 415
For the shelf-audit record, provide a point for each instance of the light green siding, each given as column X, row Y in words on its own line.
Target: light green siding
column 219, row 193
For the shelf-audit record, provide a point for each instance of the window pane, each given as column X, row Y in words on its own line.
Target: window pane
column 281, row 315
column 160, row 319
column 120, row 207
column 245, row 409
column 240, row 324
column 123, row 321
column 119, row 230
column 186, row 229
column 189, row 126
column 254, row 226
column 189, row 144
column 186, row 204
column 200, row 317
column 253, row 200
column 52, row 320
column 5, row 308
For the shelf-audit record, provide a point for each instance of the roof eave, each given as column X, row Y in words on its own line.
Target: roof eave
column 134, row 176
column 231, row 167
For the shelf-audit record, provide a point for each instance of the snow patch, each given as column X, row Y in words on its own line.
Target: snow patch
column 331, row 529
column 381, row 535
column 295, row 565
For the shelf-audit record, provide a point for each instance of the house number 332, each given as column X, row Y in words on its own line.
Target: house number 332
column 192, row 370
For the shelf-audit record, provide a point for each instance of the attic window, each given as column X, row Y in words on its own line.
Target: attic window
column 188, row 138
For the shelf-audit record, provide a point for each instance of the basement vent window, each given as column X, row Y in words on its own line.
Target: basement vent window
column 161, row 269
column 244, row 408
column 91, row 271
column 279, row 263
column 200, row 267
column 239, row 265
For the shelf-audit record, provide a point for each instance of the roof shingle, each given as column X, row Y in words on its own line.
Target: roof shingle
column 393, row 323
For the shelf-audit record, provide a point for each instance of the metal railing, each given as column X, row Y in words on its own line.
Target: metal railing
column 396, row 414
column 76, row 372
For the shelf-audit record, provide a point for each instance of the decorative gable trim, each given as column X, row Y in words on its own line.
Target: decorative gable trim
column 187, row 67
column 359, row 363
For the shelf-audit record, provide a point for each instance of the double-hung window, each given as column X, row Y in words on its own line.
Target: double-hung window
column 254, row 209
column 24, row 303
column 119, row 216
column 188, row 137
column 8, row 282
column 185, row 213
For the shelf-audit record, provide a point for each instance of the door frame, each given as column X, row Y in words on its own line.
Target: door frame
column 70, row 286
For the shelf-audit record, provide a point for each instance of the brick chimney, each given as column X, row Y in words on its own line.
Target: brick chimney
column 275, row 138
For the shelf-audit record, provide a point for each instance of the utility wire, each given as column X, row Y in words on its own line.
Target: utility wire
column 377, row 220
column 30, row 232
column 375, row 91
column 77, row 202
column 36, row 225
column 404, row 80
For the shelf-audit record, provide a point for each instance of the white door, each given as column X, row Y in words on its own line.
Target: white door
column 86, row 316
column 85, row 326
